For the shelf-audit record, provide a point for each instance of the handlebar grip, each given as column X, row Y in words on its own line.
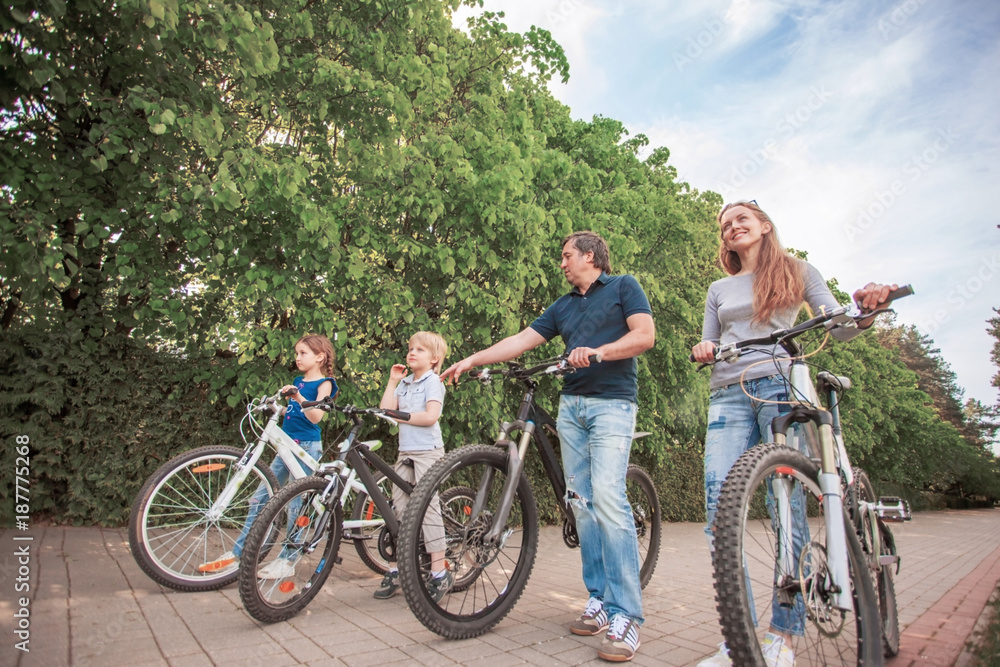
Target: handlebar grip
column 396, row 414
column 288, row 393
column 905, row 290
column 474, row 373
column 309, row 404
column 692, row 359
column 594, row 358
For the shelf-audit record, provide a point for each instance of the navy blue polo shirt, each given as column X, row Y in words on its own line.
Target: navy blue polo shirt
column 594, row 319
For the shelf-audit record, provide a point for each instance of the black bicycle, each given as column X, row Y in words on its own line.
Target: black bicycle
column 493, row 528
column 293, row 545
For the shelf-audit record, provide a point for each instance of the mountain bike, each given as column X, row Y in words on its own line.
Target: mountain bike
column 194, row 507
column 797, row 527
column 302, row 525
column 493, row 536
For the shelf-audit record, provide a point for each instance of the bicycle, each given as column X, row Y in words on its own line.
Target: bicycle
column 193, row 507
column 303, row 521
column 841, row 578
column 494, row 536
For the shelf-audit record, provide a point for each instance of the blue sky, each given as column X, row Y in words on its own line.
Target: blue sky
column 868, row 130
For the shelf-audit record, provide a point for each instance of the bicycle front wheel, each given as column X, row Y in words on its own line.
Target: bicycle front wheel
column 867, row 524
column 173, row 531
column 756, row 596
column 290, row 551
column 491, row 572
column 646, row 512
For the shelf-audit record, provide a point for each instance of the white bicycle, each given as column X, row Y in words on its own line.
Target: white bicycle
column 800, row 532
column 195, row 506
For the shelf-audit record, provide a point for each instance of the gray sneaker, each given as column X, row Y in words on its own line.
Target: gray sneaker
column 438, row 586
column 594, row 620
column 388, row 587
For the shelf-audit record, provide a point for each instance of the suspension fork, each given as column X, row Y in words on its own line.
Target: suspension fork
column 833, row 503
column 515, row 465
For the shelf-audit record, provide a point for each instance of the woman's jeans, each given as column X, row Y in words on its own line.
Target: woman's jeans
column 314, row 448
column 735, row 424
column 595, row 437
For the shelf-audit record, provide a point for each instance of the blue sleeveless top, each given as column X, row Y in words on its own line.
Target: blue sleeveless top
column 296, row 424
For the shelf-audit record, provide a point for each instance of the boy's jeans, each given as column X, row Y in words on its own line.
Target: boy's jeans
column 596, row 437
column 314, row 448
column 735, row 424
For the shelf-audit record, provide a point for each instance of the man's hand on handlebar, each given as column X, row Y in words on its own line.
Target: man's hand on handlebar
column 582, row 357
column 456, row 369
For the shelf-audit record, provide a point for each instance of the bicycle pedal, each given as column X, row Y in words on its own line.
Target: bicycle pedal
column 888, row 559
column 338, row 560
column 893, row 509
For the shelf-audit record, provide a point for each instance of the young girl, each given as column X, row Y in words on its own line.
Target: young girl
column 314, row 358
column 420, row 446
column 764, row 291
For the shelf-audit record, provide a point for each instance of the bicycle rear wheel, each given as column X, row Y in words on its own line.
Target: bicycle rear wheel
column 882, row 578
column 303, row 536
column 491, row 575
column 646, row 511
column 750, row 599
column 172, row 530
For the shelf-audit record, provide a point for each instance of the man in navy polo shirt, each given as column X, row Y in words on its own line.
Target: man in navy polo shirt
column 608, row 316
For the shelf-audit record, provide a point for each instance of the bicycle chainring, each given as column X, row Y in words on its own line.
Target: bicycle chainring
column 570, row 537
column 387, row 545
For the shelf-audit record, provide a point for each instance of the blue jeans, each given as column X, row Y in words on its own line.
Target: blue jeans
column 735, row 424
column 596, row 436
column 314, row 448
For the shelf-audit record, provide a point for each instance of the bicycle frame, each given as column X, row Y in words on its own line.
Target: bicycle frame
column 834, row 464
column 529, row 417
column 353, row 464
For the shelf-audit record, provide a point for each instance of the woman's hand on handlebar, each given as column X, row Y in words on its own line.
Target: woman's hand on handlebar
column 704, row 352
column 874, row 295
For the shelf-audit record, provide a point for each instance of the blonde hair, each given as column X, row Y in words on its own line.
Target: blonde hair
column 777, row 280
column 320, row 345
column 433, row 342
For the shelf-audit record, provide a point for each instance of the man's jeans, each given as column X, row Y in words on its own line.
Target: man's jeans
column 596, row 436
column 315, row 449
column 735, row 424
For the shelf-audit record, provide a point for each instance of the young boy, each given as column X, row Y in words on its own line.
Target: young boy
column 422, row 395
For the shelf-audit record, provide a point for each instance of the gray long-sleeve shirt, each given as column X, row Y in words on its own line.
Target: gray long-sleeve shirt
column 729, row 318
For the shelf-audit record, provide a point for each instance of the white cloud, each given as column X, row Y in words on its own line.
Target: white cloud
column 868, row 130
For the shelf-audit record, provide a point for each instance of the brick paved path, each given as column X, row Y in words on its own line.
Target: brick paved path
column 91, row 605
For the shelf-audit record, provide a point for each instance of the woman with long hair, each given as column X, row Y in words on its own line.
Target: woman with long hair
column 763, row 292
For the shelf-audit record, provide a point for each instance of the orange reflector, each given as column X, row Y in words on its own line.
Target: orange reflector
column 784, row 470
column 370, row 511
column 302, row 521
column 209, row 467
column 217, row 565
column 286, row 586
column 468, row 510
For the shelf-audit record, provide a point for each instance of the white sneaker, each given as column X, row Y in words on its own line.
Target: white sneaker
column 776, row 652
column 720, row 659
column 279, row 568
column 224, row 564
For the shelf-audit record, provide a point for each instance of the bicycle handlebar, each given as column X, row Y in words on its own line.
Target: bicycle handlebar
column 554, row 366
column 727, row 351
column 327, row 404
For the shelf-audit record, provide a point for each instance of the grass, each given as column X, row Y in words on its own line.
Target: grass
column 985, row 647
